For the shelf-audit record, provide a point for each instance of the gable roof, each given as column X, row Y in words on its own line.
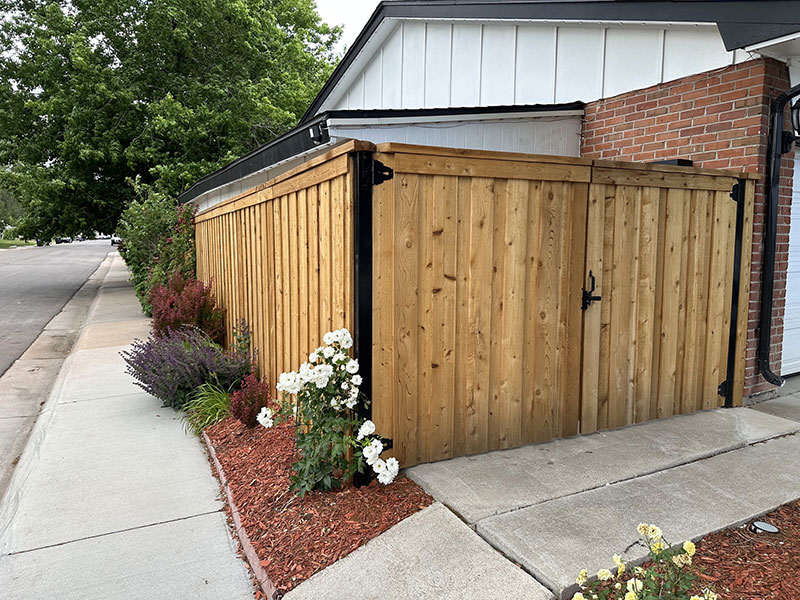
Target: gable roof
column 741, row 23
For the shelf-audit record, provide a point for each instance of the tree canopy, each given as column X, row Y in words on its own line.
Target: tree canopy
column 100, row 98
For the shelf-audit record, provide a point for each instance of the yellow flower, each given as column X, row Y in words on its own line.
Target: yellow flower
column 654, row 533
column 657, row 547
column 635, row 586
column 695, row 597
column 689, row 548
column 582, row 578
column 642, row 528
column 620, row 565
column 578, row 596
column 631, row 596
column 709, row 595
column 604, row 575
column 682, row 559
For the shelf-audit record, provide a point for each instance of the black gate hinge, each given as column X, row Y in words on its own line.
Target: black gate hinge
column 380, row 172
column 737, row 191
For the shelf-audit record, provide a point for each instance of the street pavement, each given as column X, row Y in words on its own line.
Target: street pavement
column 35, row 283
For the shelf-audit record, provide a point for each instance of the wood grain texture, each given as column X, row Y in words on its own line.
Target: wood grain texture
column 479, row 260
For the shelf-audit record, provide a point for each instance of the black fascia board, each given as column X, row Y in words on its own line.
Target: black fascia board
column 410, row 113
column 740, row 21
column 295, row 141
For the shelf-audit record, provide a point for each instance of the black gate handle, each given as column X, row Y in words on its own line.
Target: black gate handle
column 587, row 300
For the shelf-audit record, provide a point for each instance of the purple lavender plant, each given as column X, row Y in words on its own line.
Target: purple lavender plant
column 171, row 367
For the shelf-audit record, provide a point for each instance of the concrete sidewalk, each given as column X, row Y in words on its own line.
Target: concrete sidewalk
column 111, row 498
column 559, row 507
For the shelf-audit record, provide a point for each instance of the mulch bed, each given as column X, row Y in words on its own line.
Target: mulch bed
column 743, row 565
column 295, row 538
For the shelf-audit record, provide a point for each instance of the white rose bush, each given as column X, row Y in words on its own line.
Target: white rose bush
column 333, row 443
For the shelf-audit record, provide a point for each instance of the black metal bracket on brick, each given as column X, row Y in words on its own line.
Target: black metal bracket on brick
column 725, row 389
column 368, row 173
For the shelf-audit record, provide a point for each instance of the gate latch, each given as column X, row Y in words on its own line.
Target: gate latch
column 588, row 298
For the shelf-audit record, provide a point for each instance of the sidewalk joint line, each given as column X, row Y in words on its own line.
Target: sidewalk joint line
column 107, row 533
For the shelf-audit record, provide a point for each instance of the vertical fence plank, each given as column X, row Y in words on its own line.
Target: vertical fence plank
column 481, row 226
column 532, row 264
column 592, row 325
column 406, row 250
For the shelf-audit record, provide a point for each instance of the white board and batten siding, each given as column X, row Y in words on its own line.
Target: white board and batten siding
column 790, row 355
column 435, row 64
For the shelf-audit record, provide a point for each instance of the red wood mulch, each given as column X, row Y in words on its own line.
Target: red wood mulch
column 743, row 565
column 296, row 538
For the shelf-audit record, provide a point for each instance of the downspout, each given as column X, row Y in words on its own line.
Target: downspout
column 780, row 142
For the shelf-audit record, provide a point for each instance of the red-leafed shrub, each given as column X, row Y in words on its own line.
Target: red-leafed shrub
column 248, row 400
column 186, row 301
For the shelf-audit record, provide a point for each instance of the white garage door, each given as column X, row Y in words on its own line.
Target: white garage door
column 791, row 329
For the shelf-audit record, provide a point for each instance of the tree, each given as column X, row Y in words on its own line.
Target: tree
column 10, row 209
column 96, row 95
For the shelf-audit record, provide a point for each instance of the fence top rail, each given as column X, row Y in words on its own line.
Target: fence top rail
column 659, row 168
column 344, row 148
column 397, row 148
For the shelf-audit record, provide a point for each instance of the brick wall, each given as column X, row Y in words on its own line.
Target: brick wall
column 718, row 119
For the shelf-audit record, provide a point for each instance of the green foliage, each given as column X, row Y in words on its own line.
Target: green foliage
column 667, row 575
column 209, row 404
column 10, row 209
column 157, row 242
column 97, row 94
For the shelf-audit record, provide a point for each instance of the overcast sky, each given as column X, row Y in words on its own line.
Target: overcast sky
column 351, row 14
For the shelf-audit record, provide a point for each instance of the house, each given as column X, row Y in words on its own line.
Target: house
column 625, row 80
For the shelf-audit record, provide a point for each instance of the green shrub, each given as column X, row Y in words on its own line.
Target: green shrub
column 157, row 241
column 209, row 404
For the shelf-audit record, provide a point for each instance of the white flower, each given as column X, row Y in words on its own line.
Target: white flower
column 372, row 452
column 344, row 385
column 356, row 380
column 312, row 358
column 265, row 417
column 328, row 338
column 352, row 367
column 339, row 357
column 321, row 375
column 367, row 428
column 345, row 339
column 351, row 403
column 387, row 470
column 354, row 393
column 289, row 383
column 305, row 372
column 328, row 352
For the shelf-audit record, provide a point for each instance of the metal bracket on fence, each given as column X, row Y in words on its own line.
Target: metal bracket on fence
column 587, row 296
column 380, row 172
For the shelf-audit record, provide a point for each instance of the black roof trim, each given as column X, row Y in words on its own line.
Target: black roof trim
column 380, row 113
column 306, row 136
column 741, row 22
column 299, row 139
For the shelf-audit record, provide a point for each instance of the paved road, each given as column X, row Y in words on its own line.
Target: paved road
column 35, row 283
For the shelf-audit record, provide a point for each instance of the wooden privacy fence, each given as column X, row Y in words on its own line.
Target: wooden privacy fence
column 466, row 277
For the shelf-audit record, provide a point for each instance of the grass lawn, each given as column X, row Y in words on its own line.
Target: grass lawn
column 14, row 243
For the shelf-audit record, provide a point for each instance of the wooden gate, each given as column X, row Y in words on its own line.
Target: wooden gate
column 661, row 247
column 480, row 261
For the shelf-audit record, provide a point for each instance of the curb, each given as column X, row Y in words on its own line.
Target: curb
column 264, row 582
column 30, row 454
